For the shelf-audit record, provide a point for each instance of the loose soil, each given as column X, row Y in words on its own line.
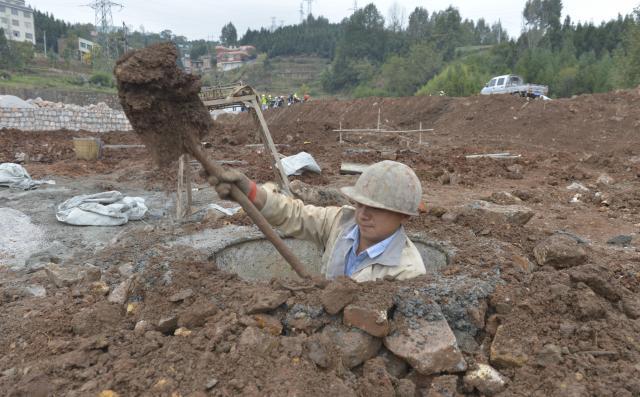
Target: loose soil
column 73, row 342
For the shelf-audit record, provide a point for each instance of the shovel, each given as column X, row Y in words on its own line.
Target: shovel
column 163, row 107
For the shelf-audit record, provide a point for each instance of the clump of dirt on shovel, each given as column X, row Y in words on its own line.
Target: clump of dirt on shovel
column 161, row 101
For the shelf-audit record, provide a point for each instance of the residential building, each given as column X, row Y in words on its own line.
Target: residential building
column 16, row 19
column 200, row 65
column 234, row 57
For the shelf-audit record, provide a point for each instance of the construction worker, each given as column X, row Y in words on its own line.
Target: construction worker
column 366, row 242
column 263, row 101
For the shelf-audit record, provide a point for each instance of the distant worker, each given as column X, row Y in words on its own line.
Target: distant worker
column 306, row 97
column 367, row 242
column 263, row 101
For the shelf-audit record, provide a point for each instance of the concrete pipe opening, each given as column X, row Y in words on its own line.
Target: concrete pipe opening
column 257, row 259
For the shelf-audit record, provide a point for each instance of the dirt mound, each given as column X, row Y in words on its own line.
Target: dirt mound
column 161, row 101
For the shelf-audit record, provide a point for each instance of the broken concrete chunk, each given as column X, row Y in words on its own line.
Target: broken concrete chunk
column 560, row 251
column 498, row 214
column 181, row 295
column 428, row 346
column 339, row 293
column 506, row 352
column 486, row 379
column 267, row 300
column 373, row 320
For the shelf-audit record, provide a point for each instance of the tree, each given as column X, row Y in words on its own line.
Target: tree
column 403, row 75
column 418, row 28
column 229, row 35
column 396, row 17
column 542, row 16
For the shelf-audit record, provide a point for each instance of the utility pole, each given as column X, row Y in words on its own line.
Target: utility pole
column 355, row 6
column 273, row 24
column 104, row 22
column 301, row 12
column 309, row 2
column 124, row 33
column 45, row 43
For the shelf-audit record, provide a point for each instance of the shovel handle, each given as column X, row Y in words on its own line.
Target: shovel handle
column 256, row 216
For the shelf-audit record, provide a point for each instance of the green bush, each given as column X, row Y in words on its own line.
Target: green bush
column 101, row 79
column 76, row 79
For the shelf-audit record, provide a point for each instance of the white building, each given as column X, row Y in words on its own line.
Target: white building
column 16, row 20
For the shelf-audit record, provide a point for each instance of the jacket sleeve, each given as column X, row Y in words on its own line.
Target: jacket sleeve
column 293, row 218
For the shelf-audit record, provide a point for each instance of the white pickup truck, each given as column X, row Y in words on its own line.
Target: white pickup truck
column 515, row 85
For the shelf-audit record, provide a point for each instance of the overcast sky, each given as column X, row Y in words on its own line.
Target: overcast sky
column 204, row 19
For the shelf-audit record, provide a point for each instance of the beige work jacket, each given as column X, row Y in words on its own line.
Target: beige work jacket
column 327, row 228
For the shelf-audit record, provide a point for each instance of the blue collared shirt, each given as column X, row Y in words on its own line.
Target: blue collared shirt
column 354, row 261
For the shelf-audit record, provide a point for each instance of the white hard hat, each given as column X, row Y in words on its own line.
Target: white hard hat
column 388, row 185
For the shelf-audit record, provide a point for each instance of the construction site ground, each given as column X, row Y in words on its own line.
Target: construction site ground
column 564, row 329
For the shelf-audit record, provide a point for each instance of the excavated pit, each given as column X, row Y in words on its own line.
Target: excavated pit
column 255, row 258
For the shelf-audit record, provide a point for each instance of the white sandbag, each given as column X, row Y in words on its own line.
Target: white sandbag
column 16, row 176
column 101, row 209
column 298, row 163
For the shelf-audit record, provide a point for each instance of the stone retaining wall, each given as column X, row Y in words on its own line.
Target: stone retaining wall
column 46, row 119
column 80, row 98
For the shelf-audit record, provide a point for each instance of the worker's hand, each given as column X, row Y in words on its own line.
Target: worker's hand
column 223, row 182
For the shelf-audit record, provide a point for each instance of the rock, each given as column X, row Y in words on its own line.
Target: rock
column 497, row 214
column 443, row 386
column 631, row 306
column 63, row 276
column 485, row 379
column 375, row 381
column 405, row 388
column 317, row 349
column 181, row 295
column 36, row 290
column 258, row 341
column 428, row 346
column 168, row 324
column 591, row 275
column 142, row 327
column 605, row 179
column 396, row 366
column 293, row 345
column 576, row 186
column 621, row 240
column 126, row 269
column 450, row 216
column 91, row 273
column 211, row 383
column 504, row 198
column 120, row 294
column 182, row 332
column 339, row 293
column 372, row 320
column 506, row 351
column 354, row 346
column 99, row 288
column 560, row 251
column 196, row 315
column 267, row 300
column 588, row 305
column 268, row 323
column 549, row 355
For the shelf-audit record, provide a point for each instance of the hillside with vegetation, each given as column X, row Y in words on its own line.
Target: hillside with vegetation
column 366, row 54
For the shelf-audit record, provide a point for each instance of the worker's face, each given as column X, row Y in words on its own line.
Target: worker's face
column 377, row 224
